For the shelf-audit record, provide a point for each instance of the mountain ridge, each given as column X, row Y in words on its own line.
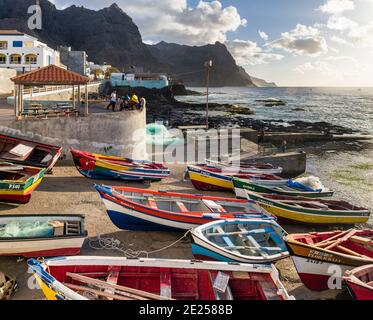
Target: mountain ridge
column 110, row 36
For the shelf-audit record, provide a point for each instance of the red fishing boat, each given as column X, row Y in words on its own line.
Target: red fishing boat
column 29, row 153
column 113, row 278
column 360, row 282
column 322, row 258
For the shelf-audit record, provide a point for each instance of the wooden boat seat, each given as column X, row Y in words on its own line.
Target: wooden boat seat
column 112, row 279
column 370, row 284
column 72, row 227
column 226, row 239
column 213, row 206
column 248, row 232
column 182, row 206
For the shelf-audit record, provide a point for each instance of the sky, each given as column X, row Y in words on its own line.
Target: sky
column 290, row 42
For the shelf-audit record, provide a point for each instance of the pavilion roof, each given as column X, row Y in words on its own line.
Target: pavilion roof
column 50, row 75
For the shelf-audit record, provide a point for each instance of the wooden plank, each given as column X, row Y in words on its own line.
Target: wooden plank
column 329, row 240
column 96, row 292
column 341, row 240
column 103, row 284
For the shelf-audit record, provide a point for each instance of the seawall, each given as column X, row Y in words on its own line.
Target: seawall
column 121, row 134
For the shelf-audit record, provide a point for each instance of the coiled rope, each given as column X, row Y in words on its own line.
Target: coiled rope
column 107, row 243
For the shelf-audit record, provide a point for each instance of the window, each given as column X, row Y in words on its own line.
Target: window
column 15, row 59
column 17, row 44
column 2, row 59
column 3, row 45
column 31, row 59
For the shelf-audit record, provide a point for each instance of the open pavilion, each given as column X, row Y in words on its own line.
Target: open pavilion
column 51, row 75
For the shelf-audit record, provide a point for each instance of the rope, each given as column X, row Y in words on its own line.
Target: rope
column 107, row 243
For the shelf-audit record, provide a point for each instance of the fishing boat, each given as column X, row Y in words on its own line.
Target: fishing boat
column 113, row 278
column 310, row 211
column 245, row 241
column 28, row 153
column 291, row 188
column 97, row 166
column 145, row 210
column 321, row 259
column 252, row 167
column 41, row 235
column 360, row 282
column 207, row 178
column 17, row 183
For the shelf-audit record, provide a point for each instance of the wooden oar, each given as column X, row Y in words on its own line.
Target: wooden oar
column 341, row 240
column 330, row 240
column 350, row 252
column 105, row 285
column 96, row 292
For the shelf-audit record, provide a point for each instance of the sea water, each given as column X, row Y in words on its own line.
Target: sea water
column 348, row 107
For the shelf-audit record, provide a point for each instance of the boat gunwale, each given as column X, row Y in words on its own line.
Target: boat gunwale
column 197, row 232
column 351, row 277
column 81, row 218
column 280, row 204
column 289, row 240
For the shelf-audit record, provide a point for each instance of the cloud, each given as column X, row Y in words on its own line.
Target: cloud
column 263, row 35
column 174, row 20
column 341, row 23
column 301, row 40
column 248, row 53
column 337, row 6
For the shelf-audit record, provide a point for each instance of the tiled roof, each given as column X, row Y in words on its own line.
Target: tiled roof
column 10, row 32
column 50, row 75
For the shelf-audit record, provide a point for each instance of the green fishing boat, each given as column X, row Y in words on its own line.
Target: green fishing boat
column 290, row 188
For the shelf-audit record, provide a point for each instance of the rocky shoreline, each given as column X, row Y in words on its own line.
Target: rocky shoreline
column 162, row 105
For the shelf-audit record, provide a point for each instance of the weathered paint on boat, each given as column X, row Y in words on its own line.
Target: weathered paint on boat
column 194, row 277
column 241, row 186
column 127, row 214
column 287, row 211
column 96, row 166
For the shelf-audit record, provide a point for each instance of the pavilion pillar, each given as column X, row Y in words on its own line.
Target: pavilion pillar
column 79, row 96
column 74, row 97
column 86, row 101
column 16, row 100
column 21, row 98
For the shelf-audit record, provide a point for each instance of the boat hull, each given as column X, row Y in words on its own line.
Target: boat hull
column 240, row 188
column 191, row 280
column 20, row 193
column 289, row 213
column 206, row 180
column 359, row 292
column 321, row 269
column 42, row 248
column 128, row 215
column 111, row 169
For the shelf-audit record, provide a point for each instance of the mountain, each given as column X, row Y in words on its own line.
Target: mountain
column 110, row 35
column 256, row 81
column 262, row 83
column 187, row 63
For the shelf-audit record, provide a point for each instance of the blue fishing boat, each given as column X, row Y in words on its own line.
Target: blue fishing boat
column 243, row 241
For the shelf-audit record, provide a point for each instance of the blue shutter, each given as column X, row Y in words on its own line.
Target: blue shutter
column 17, row 44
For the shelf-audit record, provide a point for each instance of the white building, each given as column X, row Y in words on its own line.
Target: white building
column 24, row 53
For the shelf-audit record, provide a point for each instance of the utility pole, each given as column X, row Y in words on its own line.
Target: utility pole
column 208, row 66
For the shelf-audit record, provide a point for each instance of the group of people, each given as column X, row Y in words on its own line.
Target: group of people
column 126, row 103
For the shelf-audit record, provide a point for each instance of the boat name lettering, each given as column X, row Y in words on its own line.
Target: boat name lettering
column 313, row 254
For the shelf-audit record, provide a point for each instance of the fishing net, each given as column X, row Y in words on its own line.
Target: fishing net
column 26, row 230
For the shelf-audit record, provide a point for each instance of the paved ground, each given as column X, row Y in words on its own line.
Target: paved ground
column 66, row 191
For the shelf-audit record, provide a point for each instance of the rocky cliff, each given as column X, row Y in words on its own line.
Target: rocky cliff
column 110, row 35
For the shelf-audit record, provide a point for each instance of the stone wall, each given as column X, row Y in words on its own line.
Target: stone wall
column 121, row 134
column 6, row 85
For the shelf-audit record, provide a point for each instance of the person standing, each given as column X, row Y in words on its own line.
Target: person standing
column 113, row 101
